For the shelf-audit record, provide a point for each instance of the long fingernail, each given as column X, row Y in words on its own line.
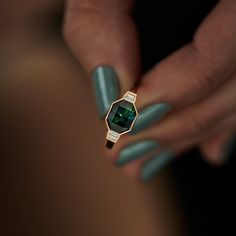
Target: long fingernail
column 150, row 115
column 230, row 148
column 153, row 166
column 135, row 150
column 106, row 88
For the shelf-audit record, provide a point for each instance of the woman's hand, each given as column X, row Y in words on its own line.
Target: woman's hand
column 189, row 99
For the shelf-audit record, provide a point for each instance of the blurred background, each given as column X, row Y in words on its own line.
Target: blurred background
column 52, row 181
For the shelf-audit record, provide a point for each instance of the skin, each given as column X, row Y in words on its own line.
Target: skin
column 198, row 80
column 48, row 167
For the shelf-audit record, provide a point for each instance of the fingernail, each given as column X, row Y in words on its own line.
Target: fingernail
column 153, row 166
column 135, row 150
column 230, row 148
column 106, row 88
column 150, row 115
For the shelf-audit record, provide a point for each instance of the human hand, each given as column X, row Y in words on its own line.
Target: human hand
column 194, row 87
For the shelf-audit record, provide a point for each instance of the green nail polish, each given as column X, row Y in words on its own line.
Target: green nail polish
column 153, row 166
column 135, row 150
column 150, row 115
column 106, row 88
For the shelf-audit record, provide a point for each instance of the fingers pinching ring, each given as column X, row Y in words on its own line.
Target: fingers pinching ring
column 120, row 118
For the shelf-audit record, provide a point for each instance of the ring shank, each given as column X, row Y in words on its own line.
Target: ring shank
column 109, row 144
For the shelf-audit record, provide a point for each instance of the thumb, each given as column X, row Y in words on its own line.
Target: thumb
column 103, row 37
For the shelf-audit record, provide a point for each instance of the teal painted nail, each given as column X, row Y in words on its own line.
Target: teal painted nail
column 150, row 115
column 153, row 166
column 106, row 88
column 135, row 150
column 229, row 148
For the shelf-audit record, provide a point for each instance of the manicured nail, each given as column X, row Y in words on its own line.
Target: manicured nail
column 106, row 88
column 135, row 150
column 150, row 115
column 230, row 148
column 153, row 166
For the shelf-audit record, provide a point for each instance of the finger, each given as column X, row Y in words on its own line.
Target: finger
column 218, row 149
column 181, row 127
column 196, row 70
column 133, row 148
column 144, row 159
column 139, row 159
column 152, row 164
column 102, row 35
column 147, row 169
column 213, row 148
column 197, row 119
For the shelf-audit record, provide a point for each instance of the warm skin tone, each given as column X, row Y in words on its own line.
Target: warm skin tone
column 198, row 80
column 48, row 168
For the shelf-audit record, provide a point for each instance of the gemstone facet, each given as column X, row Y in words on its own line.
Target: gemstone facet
column 121, row 116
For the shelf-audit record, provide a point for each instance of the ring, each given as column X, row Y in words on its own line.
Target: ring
column 120, row 118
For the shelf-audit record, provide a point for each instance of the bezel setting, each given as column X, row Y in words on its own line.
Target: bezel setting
column 121, row 116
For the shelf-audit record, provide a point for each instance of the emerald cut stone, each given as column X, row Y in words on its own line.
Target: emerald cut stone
column 121, row 116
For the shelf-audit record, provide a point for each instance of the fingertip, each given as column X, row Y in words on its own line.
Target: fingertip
column 218, row 150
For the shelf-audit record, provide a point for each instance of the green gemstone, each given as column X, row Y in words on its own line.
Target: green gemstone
column 121, row 116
